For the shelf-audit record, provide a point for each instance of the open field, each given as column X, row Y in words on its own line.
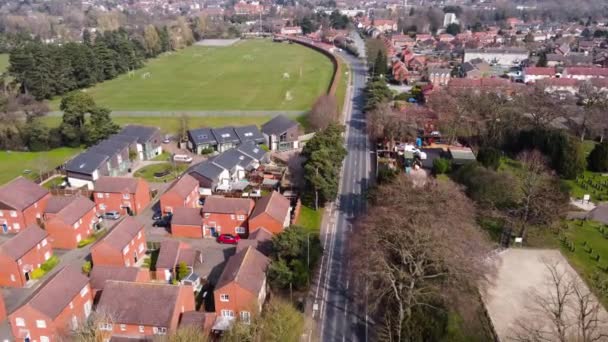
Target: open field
column 310, row 219
column 14, row 163
column 250, row 75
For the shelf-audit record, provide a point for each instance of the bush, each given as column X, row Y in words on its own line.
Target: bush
column 597, row 160
column 38, row 273
column 182, row 270
column 50, row 264
column 441, row 166
column 207, row 151
column 86, row 267
column 86, row 242
column 489, row 157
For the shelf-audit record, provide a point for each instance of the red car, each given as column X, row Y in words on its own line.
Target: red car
column 229, row 239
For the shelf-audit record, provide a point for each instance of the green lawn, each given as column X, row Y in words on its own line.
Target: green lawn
column 14, row 163
column 591, row 183
column 148, row 172
column 589, row 242
column 310, row 219
column 250, row 75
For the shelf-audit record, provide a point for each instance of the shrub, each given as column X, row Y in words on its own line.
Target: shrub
column 489, row 157
column 50, row 264
column 441, row 166
column 38, row 273
column 86, row 267
column 182, row 270
column 597, row 160
column 207, row 151
column 86, row 242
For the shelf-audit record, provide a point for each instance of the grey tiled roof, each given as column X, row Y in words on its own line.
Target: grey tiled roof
column 231, row 158
column 86, row 162
column 278, row 125
column 202, row 136
column 143, row 133
column 225, row 135
column 249, row 133
column 208, row 170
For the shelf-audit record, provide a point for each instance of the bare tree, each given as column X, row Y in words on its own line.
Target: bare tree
column 324, row 112
column 564, row 311
column 428, row 250
column 539, row 106
column 595, row 107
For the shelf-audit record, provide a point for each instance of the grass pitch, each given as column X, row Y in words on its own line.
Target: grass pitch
column 250, row 75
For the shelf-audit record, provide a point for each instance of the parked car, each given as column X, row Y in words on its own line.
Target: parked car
column 182, row 158
column 111, row 215
column 228, row 239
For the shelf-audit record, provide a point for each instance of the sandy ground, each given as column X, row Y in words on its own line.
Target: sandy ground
column 521, row 275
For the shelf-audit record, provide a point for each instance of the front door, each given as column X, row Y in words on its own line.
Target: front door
column 27, row 276
column 5, row 228
column 135, row 256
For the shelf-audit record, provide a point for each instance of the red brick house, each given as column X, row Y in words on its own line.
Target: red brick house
column 223, row 215
column 172, row 253
column 183, row 193
column 58, row 306
column 125, row 245
column 187, row 222
column 127, row 195
column 21, row 204
column 272, row 212
column 260, row 239
column 101, row 274
column 241, row 289
column 68, row 220
column 144, row 310
column 22, row 254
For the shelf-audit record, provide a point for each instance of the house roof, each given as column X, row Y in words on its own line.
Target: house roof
column 183, row 186
column 198, row 319
column 122, row 233
column 57, row 293
column 225, row 135
column 149, row 304
column 599, row 214
column 539, row 71
column 69, row 208
column 187, row 216
column 502, row 51
column 169, row 251
column 584, row 71
column 261, row 239
column 246, row 268
column 86, row 162
column 252, row 150
column 249, row 133
column 274, row 204
column 231, row 158
column 100, row 274
column 109, row 148
column 208, row 170
column 23, row 242
column 20, row 194
column 126, row 138
column 116, row 184
column 143, row 133
column 278, row 125
column 202, row 136
column 224, row 205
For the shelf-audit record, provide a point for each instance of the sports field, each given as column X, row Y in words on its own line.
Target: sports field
column 249, row 75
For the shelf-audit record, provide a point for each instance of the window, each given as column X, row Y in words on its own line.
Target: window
column 228, row 313
column 207, row 215
column 13, row 213
column 1, row 213
column 125, row 250
column 76, row 225
column 245, row 317
column 38, row 246
column 40, row 323
column 20, row 322
column 87, row 308
column 123, row 327
column 44, row 339
column 44, row 243
column 16, row 226
column 159, row 330
column 19, row 262
column 224, row 297
column 99, row 195
column 126, row 196
column 13, row 277
column 105, row 326
column 107, row 195
column 47, row 255
column 78, row 238
column 241, row 217
column 141, row 329
column 71, row 305
column 141, row 248
column 84, row 291
column 240, row 230
column 139, row 235
column 232, row 217
column 102, row 207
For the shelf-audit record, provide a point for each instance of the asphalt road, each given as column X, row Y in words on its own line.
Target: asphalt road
column 340, row 319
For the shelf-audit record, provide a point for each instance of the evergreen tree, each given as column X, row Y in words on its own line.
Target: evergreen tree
column 40, row 79
column 21, row 62
column 106, row 58
column 597, row 160
column 61, row 73
column 380, row 64
column 86, row 37
column 100, row 126
column 37, row 135
column 163, row 36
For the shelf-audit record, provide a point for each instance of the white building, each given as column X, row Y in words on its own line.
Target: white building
column 449, row 18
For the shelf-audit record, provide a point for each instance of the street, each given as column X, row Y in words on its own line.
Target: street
column 340, row 318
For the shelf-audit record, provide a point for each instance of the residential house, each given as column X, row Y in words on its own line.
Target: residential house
column 86, row 168
column 241, row 289
column 201, row 321
column 501, row 56
column 533, row 74
column 187, row 222
column 101, row 274
column 223, row 215
column 399, row 71
column 281, row 133
column 253, row 151
column 423, row 37
column 585, row 73
column 148, row 140
column 60, row 305
column 260, row 239
column 384, row 25
column 236, row 163
column 124, row 245
column 183, row 193
column 439, row 76
column 22, row 254
column 249, row 133
column 564, row 87
column 143, row 310
column 248, row 7
column 172, row 253
column 22, row 203
column 69, row 220
column 291, row 30
column 201, row 139
column 127, row 195
column 118, row 155
column 210, row 176
column 400, row 41
column 272, row 212
column 571, row 59
column 226, row 138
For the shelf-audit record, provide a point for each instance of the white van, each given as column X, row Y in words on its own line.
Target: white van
column 182, row 158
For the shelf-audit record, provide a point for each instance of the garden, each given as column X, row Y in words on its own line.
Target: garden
column 591, row 183
column 45, row 268
column 161, row 173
